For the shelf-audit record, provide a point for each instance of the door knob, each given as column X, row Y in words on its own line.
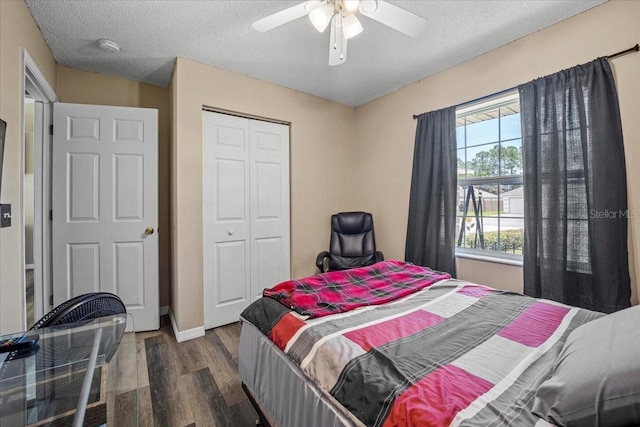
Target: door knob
column 148, row 230
column 230, row 232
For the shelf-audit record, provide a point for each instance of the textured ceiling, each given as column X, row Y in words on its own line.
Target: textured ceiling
column 380, row 60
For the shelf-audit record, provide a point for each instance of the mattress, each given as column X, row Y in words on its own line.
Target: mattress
column 282, row 389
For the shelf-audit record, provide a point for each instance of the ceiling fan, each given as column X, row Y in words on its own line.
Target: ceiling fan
column 341, row 14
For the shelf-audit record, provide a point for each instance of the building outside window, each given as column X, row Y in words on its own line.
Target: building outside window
column 490, row 197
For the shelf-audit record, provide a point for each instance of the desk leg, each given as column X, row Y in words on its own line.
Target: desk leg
column 78, row 419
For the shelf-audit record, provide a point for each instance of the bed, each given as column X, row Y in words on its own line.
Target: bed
column 395, row 344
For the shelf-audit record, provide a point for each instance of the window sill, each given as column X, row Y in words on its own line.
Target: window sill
column 489, row 258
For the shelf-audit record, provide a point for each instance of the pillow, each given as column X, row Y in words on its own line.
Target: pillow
column 595, row 381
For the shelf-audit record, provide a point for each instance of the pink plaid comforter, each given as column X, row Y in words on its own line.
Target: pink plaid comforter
column 341, row 291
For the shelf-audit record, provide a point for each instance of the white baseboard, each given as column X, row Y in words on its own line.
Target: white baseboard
column 188, row 334
column 164, row 310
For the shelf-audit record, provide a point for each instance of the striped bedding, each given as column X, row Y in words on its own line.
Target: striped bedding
column 453, row 353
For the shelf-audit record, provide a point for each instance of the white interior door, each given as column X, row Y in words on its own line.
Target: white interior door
column 225, row 202
column 105, row 200
column 269, row 159
column 245, row 212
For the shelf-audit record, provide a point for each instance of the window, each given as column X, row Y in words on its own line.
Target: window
column 490, row 214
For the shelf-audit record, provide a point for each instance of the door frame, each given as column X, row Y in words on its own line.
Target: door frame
column 34, row 83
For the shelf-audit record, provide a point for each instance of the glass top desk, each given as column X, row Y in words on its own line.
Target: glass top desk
column 81, row 374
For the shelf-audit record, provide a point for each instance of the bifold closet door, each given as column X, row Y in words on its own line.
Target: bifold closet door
column 269, row 208
column 245, row 212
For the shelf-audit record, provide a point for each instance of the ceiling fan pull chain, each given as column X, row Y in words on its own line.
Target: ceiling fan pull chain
column 341, row 37
column 334, row 35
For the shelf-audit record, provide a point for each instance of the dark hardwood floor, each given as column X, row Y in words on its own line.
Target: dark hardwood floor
column 193, row 383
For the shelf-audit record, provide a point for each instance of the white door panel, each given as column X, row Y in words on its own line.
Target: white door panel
column 245, row 212
column 83, row 181
column 129, row 272
column 269, row 153
column 225, row 199
column 268, row 262
column 84, row 268
column 230, row 272
column 129, row 187
column 104, row 197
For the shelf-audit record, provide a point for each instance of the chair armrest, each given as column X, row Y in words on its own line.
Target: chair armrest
column 320, row 260
column 379, row 256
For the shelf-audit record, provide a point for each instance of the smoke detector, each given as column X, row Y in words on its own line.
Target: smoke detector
column 108, row 45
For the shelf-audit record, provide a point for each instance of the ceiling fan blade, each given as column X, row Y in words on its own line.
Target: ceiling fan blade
column 392, row 16
column 287, row 15
column 337, row 46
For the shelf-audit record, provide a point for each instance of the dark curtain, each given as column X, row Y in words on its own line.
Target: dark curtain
column 432, row 203
column 575, row 244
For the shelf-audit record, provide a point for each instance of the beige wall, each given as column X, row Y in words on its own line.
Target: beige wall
column 84, row 87
column 322, row 172
column 385, row 128
column 17, row 30
column 500, row 276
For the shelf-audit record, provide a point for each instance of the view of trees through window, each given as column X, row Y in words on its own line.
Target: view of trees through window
column 490, row 214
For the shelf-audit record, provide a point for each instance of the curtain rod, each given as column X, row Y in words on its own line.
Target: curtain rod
column 624, row 52
column 635, row 48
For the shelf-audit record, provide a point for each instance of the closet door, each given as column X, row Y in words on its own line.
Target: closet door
column 225, row 217
column 269, row 160
column 245, row 198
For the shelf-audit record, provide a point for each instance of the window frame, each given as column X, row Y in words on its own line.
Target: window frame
column 494, row 102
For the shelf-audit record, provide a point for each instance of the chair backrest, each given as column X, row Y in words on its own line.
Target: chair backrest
column 352, row 241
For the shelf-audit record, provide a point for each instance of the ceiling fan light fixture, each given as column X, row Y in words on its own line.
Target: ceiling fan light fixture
column 321, row 16
column 351, row 5
column 312, row 4
column 341, row 16
column 368, row 6
column 351, row 26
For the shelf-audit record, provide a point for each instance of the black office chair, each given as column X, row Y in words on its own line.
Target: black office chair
column 352, row 243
